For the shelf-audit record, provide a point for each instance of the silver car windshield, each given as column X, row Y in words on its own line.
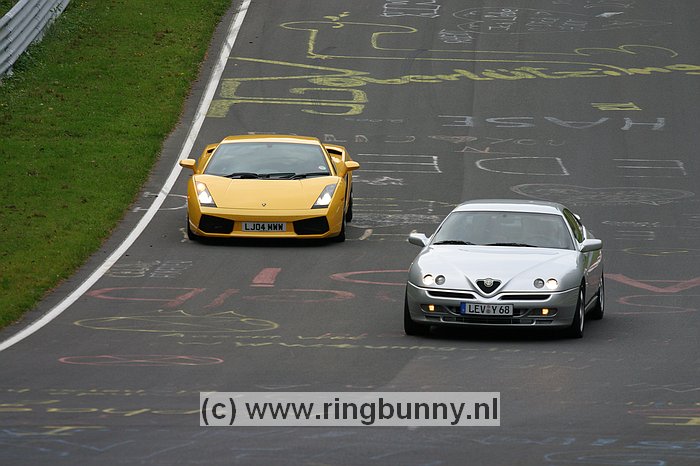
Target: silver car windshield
column 523, row 229
column 268, row 160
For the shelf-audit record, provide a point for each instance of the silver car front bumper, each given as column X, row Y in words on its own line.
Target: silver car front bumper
column 527, row 307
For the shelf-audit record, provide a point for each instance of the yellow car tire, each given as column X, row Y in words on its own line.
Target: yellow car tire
column 191, row 235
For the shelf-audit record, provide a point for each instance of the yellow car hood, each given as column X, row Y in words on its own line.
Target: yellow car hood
column 269, row 194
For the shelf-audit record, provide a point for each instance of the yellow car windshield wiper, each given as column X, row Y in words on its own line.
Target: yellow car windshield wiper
column 282, row 175
column 299, row 176
column 260, row 176
column 244, row 175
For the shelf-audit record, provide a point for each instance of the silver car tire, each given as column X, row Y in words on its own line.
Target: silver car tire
column 410, row 327
column 577, row 326
column 599, row 310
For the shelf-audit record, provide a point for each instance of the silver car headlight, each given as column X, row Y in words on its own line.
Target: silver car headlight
column 552, row 283
column 203, row 195
column 325, row 198
column 429, row 280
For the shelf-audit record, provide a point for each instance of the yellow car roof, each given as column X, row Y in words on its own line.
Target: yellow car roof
column 271, row 138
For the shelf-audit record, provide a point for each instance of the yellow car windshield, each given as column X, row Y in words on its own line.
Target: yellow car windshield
column 266, row 160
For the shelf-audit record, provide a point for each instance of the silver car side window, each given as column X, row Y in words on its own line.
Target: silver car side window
column 574, row 225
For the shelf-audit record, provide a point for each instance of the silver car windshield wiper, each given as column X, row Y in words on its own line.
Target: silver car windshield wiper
column 298, row 176
column 521, row 245
column 452, row 241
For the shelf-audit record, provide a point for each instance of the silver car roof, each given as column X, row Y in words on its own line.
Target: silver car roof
column 510, row 205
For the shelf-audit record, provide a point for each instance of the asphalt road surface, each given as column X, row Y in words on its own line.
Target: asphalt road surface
column 592, row 103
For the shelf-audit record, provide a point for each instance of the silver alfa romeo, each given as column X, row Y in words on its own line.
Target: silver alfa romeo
column 506, row 263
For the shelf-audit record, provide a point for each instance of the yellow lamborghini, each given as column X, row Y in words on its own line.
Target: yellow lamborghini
column 265, row 186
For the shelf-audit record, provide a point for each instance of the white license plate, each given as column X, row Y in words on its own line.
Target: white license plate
column 486, row 309
column 264, row 226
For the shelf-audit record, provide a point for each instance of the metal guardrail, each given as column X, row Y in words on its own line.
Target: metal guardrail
column 24, row 24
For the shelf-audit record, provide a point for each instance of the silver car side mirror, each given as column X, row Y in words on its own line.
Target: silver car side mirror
column 589, row 245
column 419, row 239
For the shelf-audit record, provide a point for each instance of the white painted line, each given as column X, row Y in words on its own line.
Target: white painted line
column 433, row 163
column 609, row 14
column 366, row 234
column 398, row 155
column 400, row 171
column 160, row 198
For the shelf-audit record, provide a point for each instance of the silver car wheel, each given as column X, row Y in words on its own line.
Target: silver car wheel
column 576, row 329
column 599, row 309
column 410, row 327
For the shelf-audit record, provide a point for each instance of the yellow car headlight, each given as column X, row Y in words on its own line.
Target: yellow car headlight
column 325, row 198
column 203, row 195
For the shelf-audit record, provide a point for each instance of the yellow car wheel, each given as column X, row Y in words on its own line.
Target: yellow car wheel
column 348, row 215
column 191, row 235
column 341, row 236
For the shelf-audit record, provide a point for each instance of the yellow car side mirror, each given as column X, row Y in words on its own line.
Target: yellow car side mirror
column 188, row 163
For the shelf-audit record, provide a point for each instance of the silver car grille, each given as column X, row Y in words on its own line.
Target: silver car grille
column 451, row 294
column 524, row 297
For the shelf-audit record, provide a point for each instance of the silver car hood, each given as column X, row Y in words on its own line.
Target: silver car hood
column 515, row 267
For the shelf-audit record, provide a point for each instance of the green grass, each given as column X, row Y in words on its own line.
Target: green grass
column 6, row 5
column 82, row 121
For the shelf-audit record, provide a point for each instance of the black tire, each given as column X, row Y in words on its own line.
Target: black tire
column 410, row 327
column 348, row 215
column 577, row 326
column 190, row 234
column 598, row 310
column 341, row 236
